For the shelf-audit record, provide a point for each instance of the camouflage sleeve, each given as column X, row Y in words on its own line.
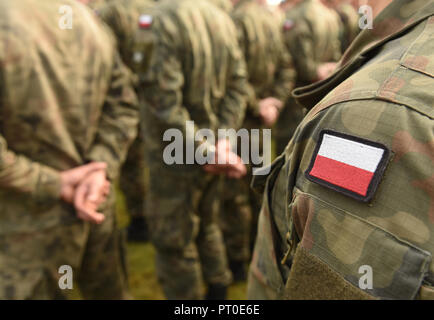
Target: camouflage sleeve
column 20, row 174
column 301, row 45
column 118, row 122
column 115, row 17
column 163, row 83
column 234, row 104
column 243, row 40
column 284, row 79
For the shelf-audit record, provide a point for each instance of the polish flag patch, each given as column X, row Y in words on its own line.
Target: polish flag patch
column 349, row 165
column 145, row 21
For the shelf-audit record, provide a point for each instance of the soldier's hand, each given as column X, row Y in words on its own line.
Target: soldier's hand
column 325, row 70
column 90, row 194
column 71, row 178
column 269, row 109
column 227, row 162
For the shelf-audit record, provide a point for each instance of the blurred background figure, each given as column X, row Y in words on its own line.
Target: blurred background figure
column 350, row 20
column 66, row 99
column 196, row 73
column 270, row 80
column 134, row 41
column 312, row 35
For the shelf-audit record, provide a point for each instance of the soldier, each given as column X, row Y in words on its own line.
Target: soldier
column 312, row 34
column 134, row 46
column 65, row 99
column 197, row 74
column 348, row 208
column 270, row 80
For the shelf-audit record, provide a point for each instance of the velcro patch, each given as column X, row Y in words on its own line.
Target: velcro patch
column 349, row 165
column 145, row 21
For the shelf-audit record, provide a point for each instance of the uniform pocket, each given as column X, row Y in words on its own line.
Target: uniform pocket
column 341, row 256
column 419, row 57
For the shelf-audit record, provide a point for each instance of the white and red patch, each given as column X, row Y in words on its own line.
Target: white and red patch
column 349, row 165
column 145, row 21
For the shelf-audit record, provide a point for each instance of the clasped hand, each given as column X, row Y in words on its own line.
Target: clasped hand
column 86, row 188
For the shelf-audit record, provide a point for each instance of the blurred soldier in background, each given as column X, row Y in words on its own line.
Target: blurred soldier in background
column 127, row 19
column 312, row 34
column 348, row 208
column 349, row 18
column 196, row 74
column 65, row 100
column 270, row 80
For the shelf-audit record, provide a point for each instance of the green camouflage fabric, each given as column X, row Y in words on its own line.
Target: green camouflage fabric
column 197, row 73
column 350, row 24
column 269, row 66
column 135, row 48
column 312, row 35
column 182, row 215
column 314, row 240
column 270, row 74
column 204, row 83
column 65, row 99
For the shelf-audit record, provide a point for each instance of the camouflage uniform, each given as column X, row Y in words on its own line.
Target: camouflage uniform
column 270, row 74
column 65, row 99
column 315, row 237
column 134, row 42
column 199, row 76
column 350, row 24
column 311, row 33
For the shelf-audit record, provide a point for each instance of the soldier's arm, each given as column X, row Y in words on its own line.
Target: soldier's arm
column 164, row 81
column 118, row 122
column 20, row 174
column 285, row 77
column 234, row 103
column 242, row 31
column 301, row 46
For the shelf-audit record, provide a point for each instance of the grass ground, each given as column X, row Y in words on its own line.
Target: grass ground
column 142, row 279
column 141, row 264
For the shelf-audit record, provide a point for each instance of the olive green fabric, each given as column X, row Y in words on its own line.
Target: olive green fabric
column 312, row 279
column 382, row 93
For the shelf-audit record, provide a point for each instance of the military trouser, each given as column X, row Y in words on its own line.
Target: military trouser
column 239, row 217
column 289, row 119
column 30, row 262
column 181, row 211
column 236, row 219
column 241, row 206
column 132, row 179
